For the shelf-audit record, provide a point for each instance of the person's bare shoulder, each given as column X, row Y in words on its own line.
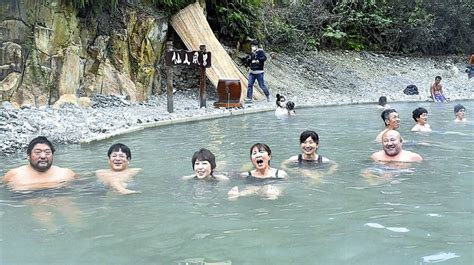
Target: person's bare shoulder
column 377, row 156
column 415, row 157
column 13, row 173
column 221, row 177
column 65, row 173
column 378, row 139
column 282, row 174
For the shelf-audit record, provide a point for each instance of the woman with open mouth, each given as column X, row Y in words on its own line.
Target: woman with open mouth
column 262, row 176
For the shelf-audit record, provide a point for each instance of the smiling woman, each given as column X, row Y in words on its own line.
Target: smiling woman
column 204, row 164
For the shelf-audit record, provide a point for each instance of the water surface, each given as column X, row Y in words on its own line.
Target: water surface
column 420, row 216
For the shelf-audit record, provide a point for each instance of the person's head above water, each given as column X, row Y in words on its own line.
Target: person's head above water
column 458, row 108
column 39, row 140
column 382, row 100
column 309, row 142
column 119, row 157
column 40, row 153
column 419, row 112
column 459, row 112
column 118, row 147
column 308, row 133
column 392, row 142
column 258, row 156
column 290, row 105
column 280, row 100
column 203, row 162
column 390, row 118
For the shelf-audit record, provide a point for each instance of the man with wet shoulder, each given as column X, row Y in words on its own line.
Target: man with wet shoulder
column 392, row 150
column 40, row 172
column 391, row 120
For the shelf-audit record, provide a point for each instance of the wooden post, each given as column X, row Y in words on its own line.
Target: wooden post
column 169, row 80
column 202, row 81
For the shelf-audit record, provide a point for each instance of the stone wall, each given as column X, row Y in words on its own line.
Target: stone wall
column 48, row 51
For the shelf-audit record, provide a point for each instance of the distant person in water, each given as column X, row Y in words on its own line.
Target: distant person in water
column 280, row 106
column 119, row 175
column 436, row 91
column 263, row 175
column 420, row 115
column 383, row 103
column 204, row 164
column 284, row 108
column 290, row 107
column 309, row 144
column 391, row 120
column 459, row 112
column 40, row 172
column 392, row 150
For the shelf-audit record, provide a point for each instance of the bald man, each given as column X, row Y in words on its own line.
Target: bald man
column 392, row 149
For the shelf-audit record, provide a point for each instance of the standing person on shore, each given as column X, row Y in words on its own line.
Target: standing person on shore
column 420, row 115
column 256, row 62
column 436, row 91
column 391, row 120
column 40, row 172
column 459, row 112
column 119, row 175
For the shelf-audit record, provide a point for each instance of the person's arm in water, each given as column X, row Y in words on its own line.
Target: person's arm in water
column 221, row 177
column 117, row 180
column 284, row 165
column 120, row 187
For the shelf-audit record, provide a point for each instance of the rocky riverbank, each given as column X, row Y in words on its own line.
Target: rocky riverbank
column 310, row 79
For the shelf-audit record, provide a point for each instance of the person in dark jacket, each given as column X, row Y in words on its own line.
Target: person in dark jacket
column 256, row 62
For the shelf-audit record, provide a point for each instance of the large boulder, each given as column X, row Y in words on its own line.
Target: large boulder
column 113, row 82
column 71, row 72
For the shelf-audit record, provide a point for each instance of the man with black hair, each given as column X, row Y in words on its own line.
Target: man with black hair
column 40, row 172
column 391, row 120
column 119, row 174
column 436, row 91
column 256, row 62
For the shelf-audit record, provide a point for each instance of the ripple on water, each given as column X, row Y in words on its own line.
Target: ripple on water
column 393, row 229
column 440, row 257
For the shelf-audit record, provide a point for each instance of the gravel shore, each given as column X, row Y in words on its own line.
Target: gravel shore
column 312, row 79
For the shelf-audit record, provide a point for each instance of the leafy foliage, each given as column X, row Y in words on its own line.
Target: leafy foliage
column 409, row 26
column 235, row 19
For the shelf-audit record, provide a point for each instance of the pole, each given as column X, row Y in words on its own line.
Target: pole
column 202, row 81
column 169, row 80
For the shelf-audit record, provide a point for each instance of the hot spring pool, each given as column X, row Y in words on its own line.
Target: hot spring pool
column 422, row 216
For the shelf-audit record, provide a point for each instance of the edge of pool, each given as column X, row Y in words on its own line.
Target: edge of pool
column 229, row 112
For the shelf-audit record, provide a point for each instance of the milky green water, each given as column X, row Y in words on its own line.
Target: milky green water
column 420, row 216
